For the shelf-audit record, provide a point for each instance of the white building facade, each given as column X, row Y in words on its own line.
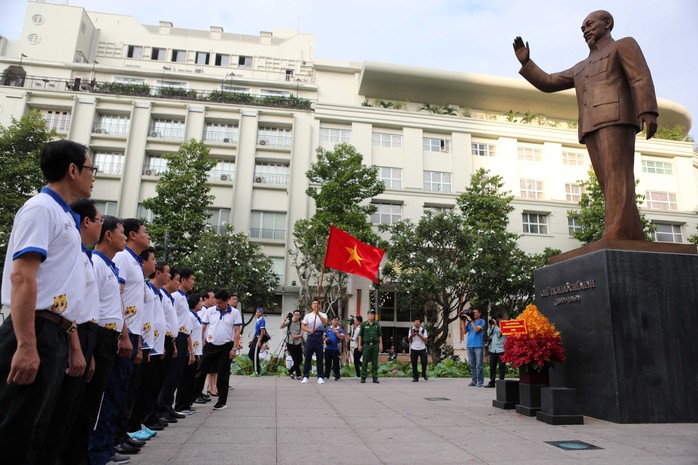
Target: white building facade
column 263, row 104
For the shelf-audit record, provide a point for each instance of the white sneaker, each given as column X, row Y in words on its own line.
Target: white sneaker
column 305, row 381
column 320, row 381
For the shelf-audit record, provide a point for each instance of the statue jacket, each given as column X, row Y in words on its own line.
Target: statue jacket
column 613, row 84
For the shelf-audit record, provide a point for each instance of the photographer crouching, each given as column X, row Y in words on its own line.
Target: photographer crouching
column 497, row 340
column 294, row 342
column 418, row 348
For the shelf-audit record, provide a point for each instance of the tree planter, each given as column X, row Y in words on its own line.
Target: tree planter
column 531, row 376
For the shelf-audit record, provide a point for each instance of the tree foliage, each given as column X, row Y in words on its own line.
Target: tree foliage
column 230, row 261
column 181, row 200
column 20, row 176
column 678, row 132
column 339, row 185
column 590, row 216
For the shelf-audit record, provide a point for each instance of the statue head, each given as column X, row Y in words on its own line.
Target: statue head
column 597, row 25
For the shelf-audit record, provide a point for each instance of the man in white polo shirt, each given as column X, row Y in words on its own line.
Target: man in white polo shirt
column 314, row 324
column 222, row 338
column 42, row 285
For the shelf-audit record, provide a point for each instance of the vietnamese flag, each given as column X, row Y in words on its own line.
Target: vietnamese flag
column 346, row 253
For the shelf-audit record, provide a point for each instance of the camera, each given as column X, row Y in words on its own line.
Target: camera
column 491, row 322
column 289, row 316
column 351, row 320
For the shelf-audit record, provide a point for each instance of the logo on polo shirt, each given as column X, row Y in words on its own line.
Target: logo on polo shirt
column 130, row 311
column 111, row 326
column 210, row 338
column 60, row 303
column 195, row 344
column 146, row 327
column 182, row 329
column 157, row 334
column 67, row 226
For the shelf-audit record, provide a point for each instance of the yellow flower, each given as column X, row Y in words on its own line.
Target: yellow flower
column 536, row 323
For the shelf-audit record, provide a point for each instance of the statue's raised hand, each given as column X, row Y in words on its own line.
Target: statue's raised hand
column 523, row 53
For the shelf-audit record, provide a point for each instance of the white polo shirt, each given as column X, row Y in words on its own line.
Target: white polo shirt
column 196, row 333
column 221, row 325
column 182, row 308
column 131, row 270
column 46, row 225
column 157, row 319
column 417, row 343
column 170, row 313
column 111, row 312
column 89, row 307
column 313, row 322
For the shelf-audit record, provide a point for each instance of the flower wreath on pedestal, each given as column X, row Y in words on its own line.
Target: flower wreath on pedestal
column 536, row 350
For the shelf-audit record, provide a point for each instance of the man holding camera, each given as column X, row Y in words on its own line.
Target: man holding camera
column 370, row 343
column 355, row 343
column 474, row 326
column 294, row 340
column 418, row 348
column 497, row 340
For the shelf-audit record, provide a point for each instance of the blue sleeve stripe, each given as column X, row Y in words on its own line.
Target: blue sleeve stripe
column 27, row 250
column 237, row 324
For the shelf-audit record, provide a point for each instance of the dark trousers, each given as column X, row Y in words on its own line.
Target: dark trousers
column 422, row 355
column 75, row 451
column 102, row 439
column 167, row 393
column 357, row 362
column 370, row 352
column 159, row 375
column 496, row 359
column 185, row 388
column 313, row 345
column 62, row 422
column 214, row 359
column 143, row 403
column 296, row 351
column 26, row 409
column 124, row 413
column 254, row 354
column 332, row 362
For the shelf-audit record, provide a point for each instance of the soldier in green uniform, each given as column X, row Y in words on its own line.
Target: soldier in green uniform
column 370, row 343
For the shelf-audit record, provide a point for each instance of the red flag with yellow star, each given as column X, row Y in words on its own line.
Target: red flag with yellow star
column 348, row 254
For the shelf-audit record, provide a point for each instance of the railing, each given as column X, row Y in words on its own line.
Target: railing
column 274, row 141
column 166, row 133
column 221, row 176
column 111, row 168
column 221, row 137
column 264, row 178
column 59, row 123
column 111, row 129
column 276, row 234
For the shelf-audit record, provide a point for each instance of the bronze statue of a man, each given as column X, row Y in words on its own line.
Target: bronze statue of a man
column 616, row 100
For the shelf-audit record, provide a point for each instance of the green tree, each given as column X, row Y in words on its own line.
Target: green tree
column 339, row 185
column 678, row 132
column 590, row 216
column 230, row 261
column 20, row 176
column 179, row 206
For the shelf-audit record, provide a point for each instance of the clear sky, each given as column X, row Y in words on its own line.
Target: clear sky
column 472, row 36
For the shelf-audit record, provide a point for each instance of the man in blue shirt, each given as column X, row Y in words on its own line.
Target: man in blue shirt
column 260, row 330
column 333, row 335
column 474, row 329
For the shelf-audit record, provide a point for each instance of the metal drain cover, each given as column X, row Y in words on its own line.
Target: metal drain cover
column 437, row 398
column 573, row 445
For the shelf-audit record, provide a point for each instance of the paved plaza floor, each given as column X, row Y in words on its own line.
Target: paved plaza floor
column 272, row 420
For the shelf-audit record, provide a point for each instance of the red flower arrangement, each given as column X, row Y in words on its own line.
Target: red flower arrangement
column 541, row 346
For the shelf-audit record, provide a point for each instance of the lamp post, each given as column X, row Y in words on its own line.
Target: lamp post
column 21, row 57
column 230, row 75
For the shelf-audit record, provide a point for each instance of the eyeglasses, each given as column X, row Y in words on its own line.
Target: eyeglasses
column 100, row 219
column 92, row 168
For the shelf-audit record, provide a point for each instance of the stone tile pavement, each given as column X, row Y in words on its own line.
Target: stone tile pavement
column 272, row 420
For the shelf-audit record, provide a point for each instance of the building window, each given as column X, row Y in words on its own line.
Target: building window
column 202, row 58
column 145, row 214
column 275, row 137
column 135, row 51
column 438, row 209
column 244, row 62
column 109, row 162
column 271, row 173
column 224, row 133
column 154, row 165
column 484, row 150
column 218, row 219
column 668, row 233
column 383, row 139
column 158, row 54
column 279, row 267
column 573, row 192
column 530, row 154
column 572, row 158
column 391, row 177
column 56, row 119
column 112, row 124
column 223, row 171
column 661, row 200
column 179, row 56
column 573, row 226
column 274, row 93
column 535, row 223
column 167, row 129
column 434, row 144
column 531, row 189
column 656, row 167
column 107, row 208
column 267, row 225
column 437, row 181
column 222, row 60
column 386, row 213
column 335, row 136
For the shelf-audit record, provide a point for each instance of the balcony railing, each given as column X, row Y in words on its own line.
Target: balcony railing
column 111, row 129
column 221, row 137
column 166, row 133
column 111, row 168
column 145, row 90
column 60, row 124
column 221, row 176
column 274, row 141
column 275, row 234
column 263, row 178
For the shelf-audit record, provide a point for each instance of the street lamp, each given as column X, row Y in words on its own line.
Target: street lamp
column 21, row 57
column 230, row 75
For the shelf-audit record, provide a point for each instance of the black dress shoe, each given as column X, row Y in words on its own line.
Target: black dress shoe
column 125, row 448
column 155, row 426
column 363, row 380
column 375, row 381
column 200, row 400
column 135, row 442
column 426, row 377
column 206, row 397
column 168, row 419
column 175, row 414
column 414, row 380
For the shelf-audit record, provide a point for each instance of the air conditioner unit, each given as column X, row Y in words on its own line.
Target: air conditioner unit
column 262, row 142
column 259, row 179
column 226, row 140
column 98, row 131
column 198, row 70
column 150, row 172
column 225, row 177
column 154, row 134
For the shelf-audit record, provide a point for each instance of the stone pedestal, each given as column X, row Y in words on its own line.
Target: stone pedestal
column 507, row 394
column 529, row 399
column 628, row 321
column 559, row 407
